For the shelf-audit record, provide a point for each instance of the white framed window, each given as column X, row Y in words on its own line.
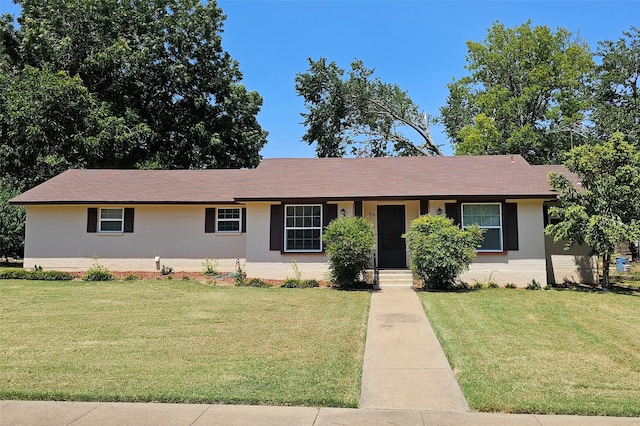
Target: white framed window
column 229, row 219
column 488, row 216
column 303, row 228
column 111, row 220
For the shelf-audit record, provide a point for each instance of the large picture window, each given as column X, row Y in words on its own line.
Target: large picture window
column 303, row 228
column 229, row 220
column 489, row 218
column 111, row 220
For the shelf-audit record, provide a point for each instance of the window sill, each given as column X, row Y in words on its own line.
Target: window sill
column 228, row 233
column 484, row 253
column 110, row 233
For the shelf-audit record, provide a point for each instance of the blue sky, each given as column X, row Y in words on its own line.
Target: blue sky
column 419, row 45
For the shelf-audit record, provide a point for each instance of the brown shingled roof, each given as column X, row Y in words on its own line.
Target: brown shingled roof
column 137, row 186
column 304, row 178
column 397, row 177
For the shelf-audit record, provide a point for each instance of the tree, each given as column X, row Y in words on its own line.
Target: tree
column 154, row 87
column 605, row 210
column 439, row 251
column 359, row 114
column 617, row 90
column 11, row 223
column 350, row 241
column 525, row 85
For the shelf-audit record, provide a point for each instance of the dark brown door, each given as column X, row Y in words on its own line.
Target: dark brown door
column 391, row 246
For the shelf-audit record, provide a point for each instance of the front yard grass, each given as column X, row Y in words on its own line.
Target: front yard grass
column 181, row 341
column 563, row 352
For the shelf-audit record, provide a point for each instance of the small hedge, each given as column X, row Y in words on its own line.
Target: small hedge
column 253, row 282
column 98, row 273
column 296, row 283
column 23, row 274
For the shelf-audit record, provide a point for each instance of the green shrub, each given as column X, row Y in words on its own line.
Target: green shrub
column 459, row 285
column 310, row 283
column 350, row 241
column 210, row 268
column 51, row 275
column 439, row 250
column 131, row 277
column 14, row 274
column 533, row 285
column 254, row 282
column 510, row 285
column 166, row 270
column 478, row 285
column 296, row 283
column 39, row 274
column 98, row 273
column 492, row 284
column 291, row 283
column 239, row 276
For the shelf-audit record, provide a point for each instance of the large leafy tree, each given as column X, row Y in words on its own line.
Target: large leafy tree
column 525, row 92
column 11, row 222
column 113, row 83
column 617, row 90
column 605, row 210
column 360, row 115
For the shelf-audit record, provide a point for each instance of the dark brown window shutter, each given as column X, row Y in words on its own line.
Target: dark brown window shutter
column 330, row 213
column 128, row 219
column 452, row 210
column 424, row 207
column 209, row 220
column 243, row 225
column 92, row 219
column 510, row 218
column 357, row 205
column 277, row 223
column 545, row 213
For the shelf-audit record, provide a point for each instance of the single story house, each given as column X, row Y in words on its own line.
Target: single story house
column 135, row 220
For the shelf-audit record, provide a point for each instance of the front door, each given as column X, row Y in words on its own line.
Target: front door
column 391, row 246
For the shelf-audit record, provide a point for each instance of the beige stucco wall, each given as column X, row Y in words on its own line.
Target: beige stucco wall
column 56, row 237
column 575, row 265
column 264, row 263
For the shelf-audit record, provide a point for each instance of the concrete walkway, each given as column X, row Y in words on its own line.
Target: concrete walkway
column 404, row 365
column 406, row 381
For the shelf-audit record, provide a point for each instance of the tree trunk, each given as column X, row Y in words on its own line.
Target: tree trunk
column 606, row 260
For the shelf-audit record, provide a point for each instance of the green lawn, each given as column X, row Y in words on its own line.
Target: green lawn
column 180, row 341
column 542, row 351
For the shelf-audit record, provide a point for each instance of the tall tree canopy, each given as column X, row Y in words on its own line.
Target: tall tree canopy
column 525, row 90
column 358, row 114
column 604, row 211
column 617, row 89
column 114, row 83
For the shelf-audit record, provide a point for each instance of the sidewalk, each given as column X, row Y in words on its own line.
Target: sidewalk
column 406, row 381
column 49, row 413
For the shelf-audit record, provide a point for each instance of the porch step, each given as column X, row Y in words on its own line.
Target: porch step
column 395, row 278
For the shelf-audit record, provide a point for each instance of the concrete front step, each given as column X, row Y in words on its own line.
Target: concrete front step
column 395, row 278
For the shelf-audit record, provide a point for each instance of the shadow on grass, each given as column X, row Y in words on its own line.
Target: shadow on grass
column 615, row 287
